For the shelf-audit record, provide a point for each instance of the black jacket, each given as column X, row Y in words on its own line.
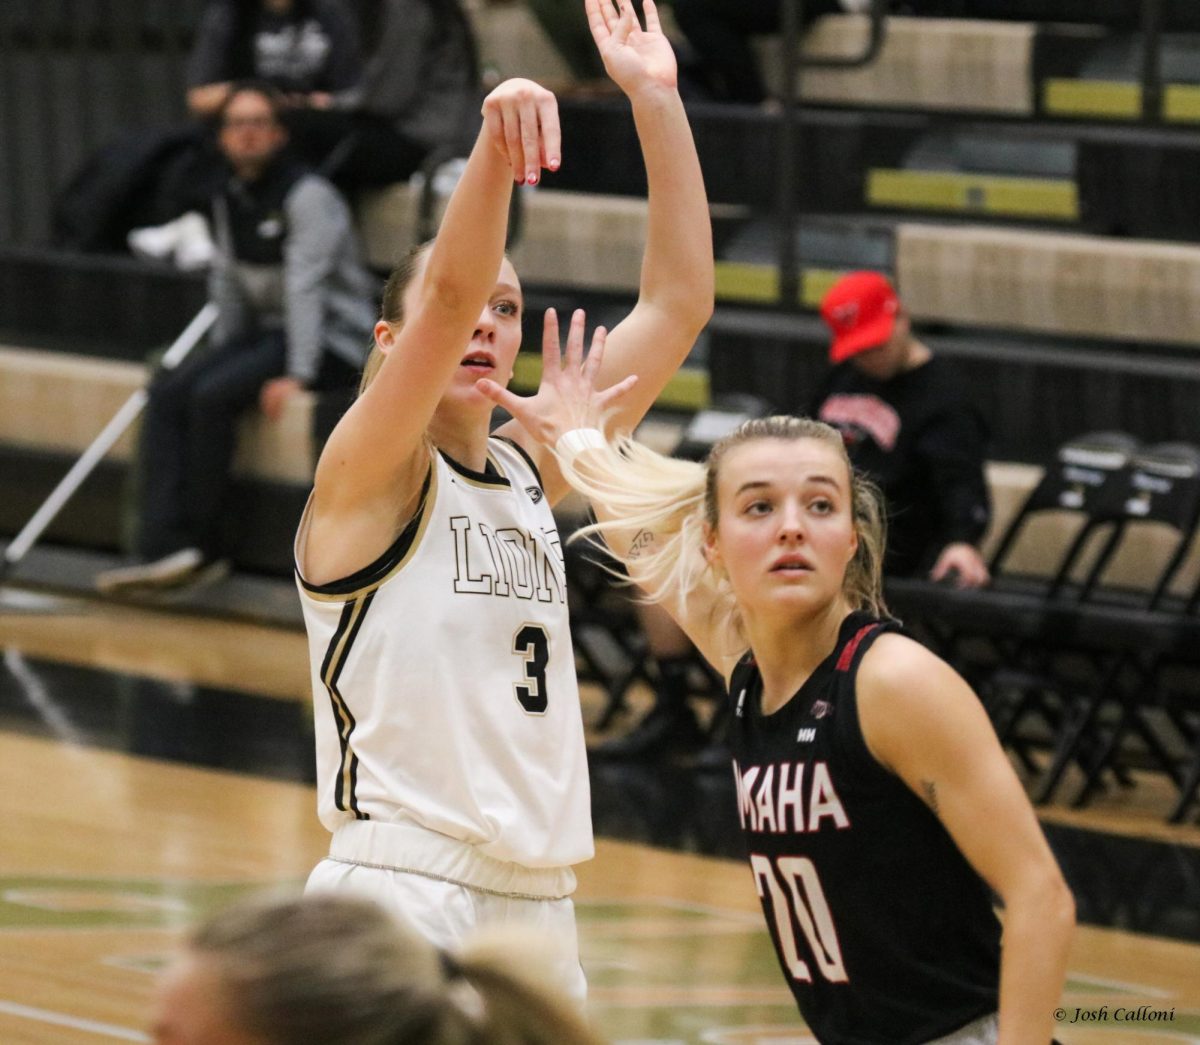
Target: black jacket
column 920, row 439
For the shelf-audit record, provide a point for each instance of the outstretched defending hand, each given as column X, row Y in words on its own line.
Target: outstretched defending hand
column 633, row 57
column 567, row 397
column 521, row 119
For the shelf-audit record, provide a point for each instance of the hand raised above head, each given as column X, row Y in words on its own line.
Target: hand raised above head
column 521, row 119
column 633, row 57
column 567, row 398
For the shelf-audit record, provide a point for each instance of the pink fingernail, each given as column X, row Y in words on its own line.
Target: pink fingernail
column 533, row 179
column 554, row 161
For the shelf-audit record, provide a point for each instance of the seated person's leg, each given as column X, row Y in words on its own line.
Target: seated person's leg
column 217, row 402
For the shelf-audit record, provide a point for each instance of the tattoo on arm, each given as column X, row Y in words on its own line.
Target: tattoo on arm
column 929, row 790
column 642, row 542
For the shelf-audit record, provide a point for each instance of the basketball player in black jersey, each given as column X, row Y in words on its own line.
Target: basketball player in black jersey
column 878, row 807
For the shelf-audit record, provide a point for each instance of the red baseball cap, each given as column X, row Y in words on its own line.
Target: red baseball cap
column 860, row 309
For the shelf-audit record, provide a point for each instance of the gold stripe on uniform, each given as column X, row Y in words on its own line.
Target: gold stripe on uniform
column 331, row 669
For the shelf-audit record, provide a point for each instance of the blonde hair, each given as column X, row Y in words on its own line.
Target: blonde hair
column 340, row 971
column 673, row 499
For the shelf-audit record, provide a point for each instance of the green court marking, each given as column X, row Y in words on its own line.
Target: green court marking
column 66, row 903
column 1043, row 198
column 1100, row 99
column 687, row 389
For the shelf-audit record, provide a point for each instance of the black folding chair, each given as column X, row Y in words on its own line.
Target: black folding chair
column 1003, row 638
column 1183, row 706
column 1125, row 622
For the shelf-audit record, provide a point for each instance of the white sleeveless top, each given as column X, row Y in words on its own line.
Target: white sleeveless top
column 444, row 677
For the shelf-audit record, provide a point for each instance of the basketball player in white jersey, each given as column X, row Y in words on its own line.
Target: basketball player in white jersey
column 450, row 752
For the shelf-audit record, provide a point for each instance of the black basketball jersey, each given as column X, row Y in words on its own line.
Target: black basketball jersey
column 885, row 933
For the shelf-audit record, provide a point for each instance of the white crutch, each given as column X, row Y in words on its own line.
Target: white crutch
column 113, row 431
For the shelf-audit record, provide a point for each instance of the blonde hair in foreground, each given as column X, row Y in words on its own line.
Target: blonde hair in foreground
column 673, row 499
column 341, row 971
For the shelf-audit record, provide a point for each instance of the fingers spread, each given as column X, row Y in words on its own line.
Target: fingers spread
column 611, row 395
column 596, row 20
column 611, row 17
column 650, row 13
column 626, row 23
column 595, row 355
column 500, row 395
column 551, row 360
column 574, row 355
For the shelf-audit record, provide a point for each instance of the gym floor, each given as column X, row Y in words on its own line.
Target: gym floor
column 158, row 764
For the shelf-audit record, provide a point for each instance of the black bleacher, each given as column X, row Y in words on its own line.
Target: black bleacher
column 1178, row 15
column 859, row 171
column 93, row 304
column 1129, row 181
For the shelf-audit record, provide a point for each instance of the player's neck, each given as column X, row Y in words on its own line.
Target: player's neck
column 789, row 650
column 462, row 438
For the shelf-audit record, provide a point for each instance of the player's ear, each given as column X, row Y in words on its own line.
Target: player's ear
column 711, row 547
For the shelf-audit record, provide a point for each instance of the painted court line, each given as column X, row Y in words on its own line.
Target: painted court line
column 59, row 1019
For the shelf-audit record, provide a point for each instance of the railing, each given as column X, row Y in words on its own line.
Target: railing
column 790, row 159
column 1152, row 81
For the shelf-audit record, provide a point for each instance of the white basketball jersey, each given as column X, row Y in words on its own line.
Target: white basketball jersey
column 444, row 678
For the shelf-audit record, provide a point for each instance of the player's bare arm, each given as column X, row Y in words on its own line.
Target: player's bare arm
column 923, row 722
column 675, row 294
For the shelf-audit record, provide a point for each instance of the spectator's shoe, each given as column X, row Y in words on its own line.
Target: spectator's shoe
column 666, row 730
column 170, row 571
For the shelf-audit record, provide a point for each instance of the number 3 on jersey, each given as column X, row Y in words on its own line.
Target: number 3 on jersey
column 803, row 904
column 532, row 644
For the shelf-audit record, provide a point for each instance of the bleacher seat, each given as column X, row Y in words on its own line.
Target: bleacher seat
column 581, row 240
column 1051, row 282
column 57, row 402
column 955, row 65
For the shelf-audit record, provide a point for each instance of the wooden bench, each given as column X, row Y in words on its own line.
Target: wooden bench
column 938, row 64
column 58, row 402
column 567, row 238
column 1054, row 283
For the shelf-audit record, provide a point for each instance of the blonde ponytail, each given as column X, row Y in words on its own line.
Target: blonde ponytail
column 648, row 494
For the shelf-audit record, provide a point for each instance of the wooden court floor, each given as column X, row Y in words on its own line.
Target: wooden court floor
column 105, row 857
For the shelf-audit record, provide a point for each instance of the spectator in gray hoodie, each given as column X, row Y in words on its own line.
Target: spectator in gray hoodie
column 296, row 310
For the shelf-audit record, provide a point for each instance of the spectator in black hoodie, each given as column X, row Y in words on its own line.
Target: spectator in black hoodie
column 907, row 423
